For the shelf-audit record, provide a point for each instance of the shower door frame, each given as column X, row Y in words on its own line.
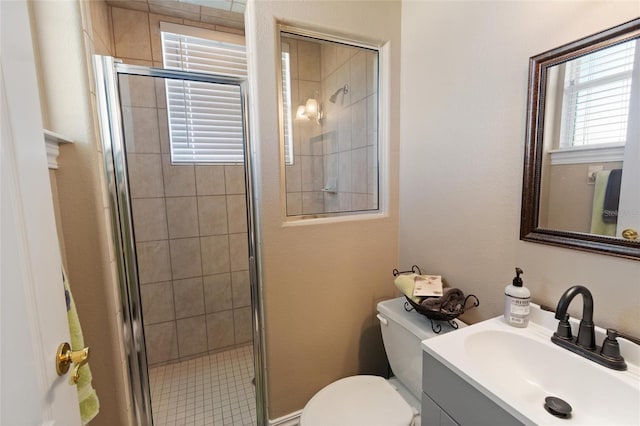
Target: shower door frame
column 107, row 70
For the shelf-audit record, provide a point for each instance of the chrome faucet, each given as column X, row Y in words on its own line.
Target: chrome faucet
column 585, row 344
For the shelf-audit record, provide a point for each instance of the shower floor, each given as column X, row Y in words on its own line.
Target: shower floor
column 211, row 390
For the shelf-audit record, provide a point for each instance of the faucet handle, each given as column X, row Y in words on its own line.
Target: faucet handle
column 610, row 347
column 564, row 328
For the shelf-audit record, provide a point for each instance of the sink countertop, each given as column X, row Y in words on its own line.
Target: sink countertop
column 517, row 367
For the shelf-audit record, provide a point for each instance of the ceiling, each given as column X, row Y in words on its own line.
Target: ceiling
column 219, row 12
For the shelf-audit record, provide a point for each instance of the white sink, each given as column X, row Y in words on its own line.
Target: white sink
column 518, row 368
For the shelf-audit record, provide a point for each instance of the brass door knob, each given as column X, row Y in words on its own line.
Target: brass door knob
column 65, row 357
column 630, row 234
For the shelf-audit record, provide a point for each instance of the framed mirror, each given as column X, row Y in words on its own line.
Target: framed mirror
column 581, row 184
column 329, row 124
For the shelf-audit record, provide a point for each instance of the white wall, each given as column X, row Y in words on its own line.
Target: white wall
column 463, row 105
column 321, row 280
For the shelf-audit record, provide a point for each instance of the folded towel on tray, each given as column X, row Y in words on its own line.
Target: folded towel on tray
column 451, row 301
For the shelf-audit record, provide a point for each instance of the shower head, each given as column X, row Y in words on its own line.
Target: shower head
column 344, row 89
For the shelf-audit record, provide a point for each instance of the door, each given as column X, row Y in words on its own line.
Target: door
column 34, row 320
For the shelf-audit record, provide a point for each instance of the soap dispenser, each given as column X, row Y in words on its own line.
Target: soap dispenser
column 516, row 302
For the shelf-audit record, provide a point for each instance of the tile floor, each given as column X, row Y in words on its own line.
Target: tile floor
column 211, row 390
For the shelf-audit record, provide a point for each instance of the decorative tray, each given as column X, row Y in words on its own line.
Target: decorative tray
column 438, row 314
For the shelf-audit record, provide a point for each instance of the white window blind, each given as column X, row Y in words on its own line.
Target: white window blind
column 286, row 106
column 205, row 119
column 596, row 97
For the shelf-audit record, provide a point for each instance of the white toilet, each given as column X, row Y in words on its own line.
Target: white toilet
column 372, row 400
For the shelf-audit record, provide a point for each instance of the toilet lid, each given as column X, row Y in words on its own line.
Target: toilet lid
column 357, row 401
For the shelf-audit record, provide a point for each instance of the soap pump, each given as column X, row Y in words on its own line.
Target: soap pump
column 516, row 302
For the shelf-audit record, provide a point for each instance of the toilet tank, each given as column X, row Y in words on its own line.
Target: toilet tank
column 402, row 333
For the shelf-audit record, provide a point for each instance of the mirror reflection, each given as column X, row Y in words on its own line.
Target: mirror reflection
column 590, row 169
column 330, row 126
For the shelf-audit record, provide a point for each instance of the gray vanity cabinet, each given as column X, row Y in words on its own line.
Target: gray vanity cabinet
column 448, row 400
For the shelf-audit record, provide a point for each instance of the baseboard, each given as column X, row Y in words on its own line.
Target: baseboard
column 291, row 419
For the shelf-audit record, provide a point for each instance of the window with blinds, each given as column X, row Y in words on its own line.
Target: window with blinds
column 597, row 90
column 286, row 100
column 205, row 119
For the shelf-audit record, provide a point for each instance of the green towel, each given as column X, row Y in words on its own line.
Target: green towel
column 87, row 397
column 406, row 283
column 597, row 225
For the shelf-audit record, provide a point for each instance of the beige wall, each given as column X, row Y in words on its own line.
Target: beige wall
column 64, row 41
column 466, row 120
column 321, row 279
column 568, row 203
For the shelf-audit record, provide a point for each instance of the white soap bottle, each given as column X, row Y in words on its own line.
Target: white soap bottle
column 516, row 302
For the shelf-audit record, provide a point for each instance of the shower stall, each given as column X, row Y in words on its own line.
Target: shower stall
column 184, row 237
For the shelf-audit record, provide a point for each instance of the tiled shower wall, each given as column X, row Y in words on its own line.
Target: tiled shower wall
column 189, row 220
column 191, row 236
column 340, row 154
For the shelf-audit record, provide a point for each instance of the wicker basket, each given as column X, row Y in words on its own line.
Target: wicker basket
column 440, row 315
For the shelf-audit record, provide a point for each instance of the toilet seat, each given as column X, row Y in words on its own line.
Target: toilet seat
column 357, row 401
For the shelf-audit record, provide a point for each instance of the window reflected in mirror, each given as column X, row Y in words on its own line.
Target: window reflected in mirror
column 329, row 126
column 589, row 172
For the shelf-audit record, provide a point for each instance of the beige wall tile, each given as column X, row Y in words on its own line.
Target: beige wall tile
column 101, row 27
column 293, row 176
column 344, row 168
column 359, row 168
column 185, row 258
column 242, row 325
column 217, row 293
column 192, row 335
column 220, row 332
column 141, row 130
column 358, row 77
column 312, row 173
column 343, row 76
column 189, row 297
column 344, row 130
column 372, row 118
column 163, row 131
column 182, row 217
column 343, row 53
column 312, row 202
column 149, row 219
column 179, row 180
column 234, row 179
column 157, row 303
column 145, row 175
column 309, row 61
column 359, row 124
column 161, row 92
column 329, row 58
column 210, row 180
column 212, row 214
column 131, row 34
column 153, row 261
column 238, row 252
column 161, row 342
column 215, row 254
column 154, row 32
column 371, row 65
column 137, row 90
column 237, row 212
column 241, row 289
column 233, row 30
column 359, row 201
column 294, row 203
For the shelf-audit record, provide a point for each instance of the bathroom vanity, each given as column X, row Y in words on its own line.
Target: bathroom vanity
column 491, row 373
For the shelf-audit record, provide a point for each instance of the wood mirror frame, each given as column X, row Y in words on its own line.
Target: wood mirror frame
column 538, row 67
